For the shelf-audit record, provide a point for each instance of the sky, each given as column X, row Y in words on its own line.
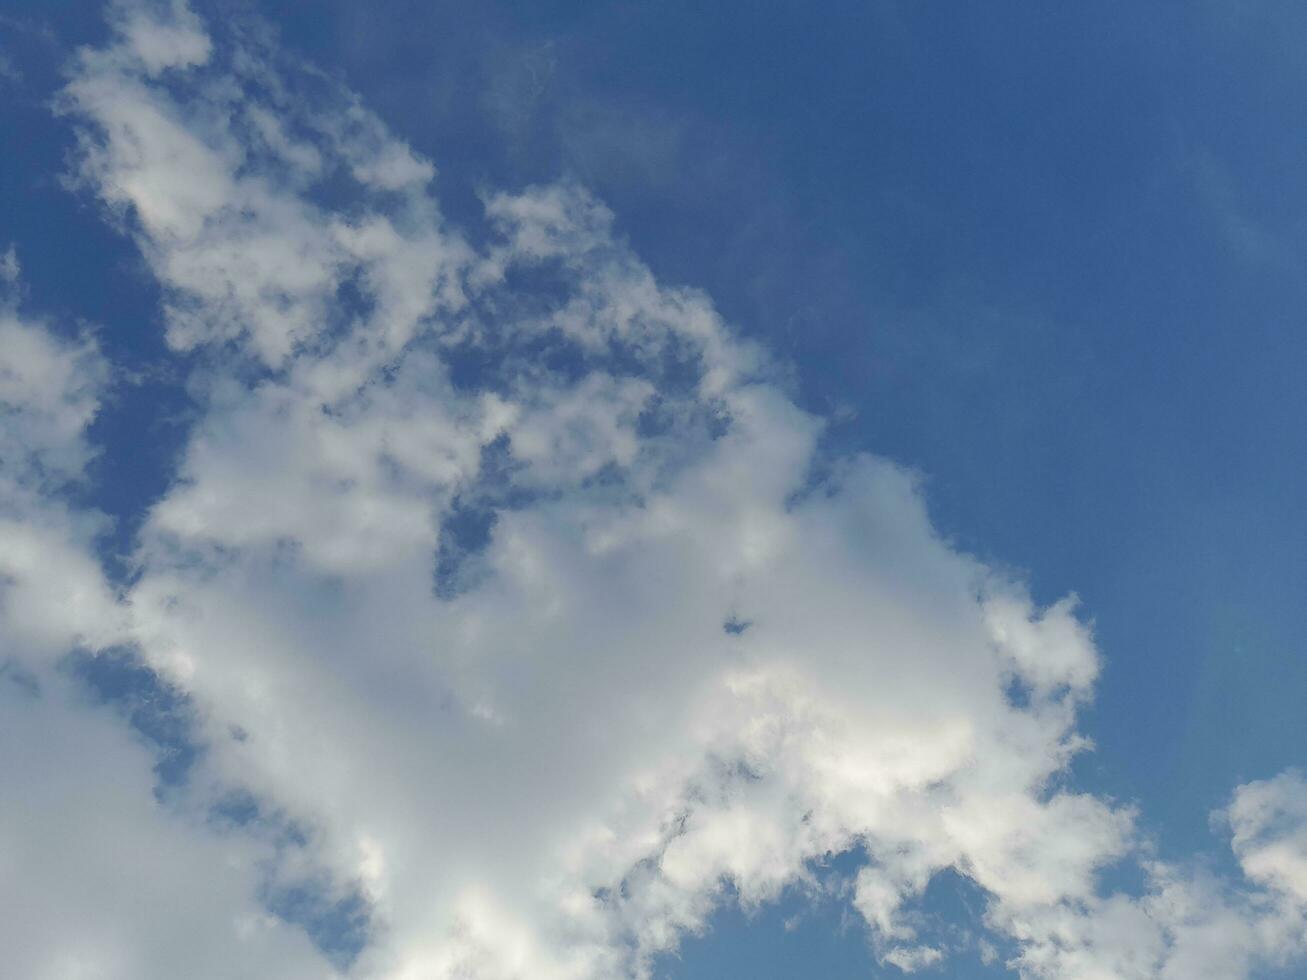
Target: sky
column 652, row 490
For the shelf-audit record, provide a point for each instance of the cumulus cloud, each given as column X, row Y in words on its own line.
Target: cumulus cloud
column 1268, row 820
column 514, row 581
column 99, row 880
column 105, row 882
column 50, row 390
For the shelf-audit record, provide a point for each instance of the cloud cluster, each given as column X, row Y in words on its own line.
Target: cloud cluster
column 515, row 597
column 99, row 880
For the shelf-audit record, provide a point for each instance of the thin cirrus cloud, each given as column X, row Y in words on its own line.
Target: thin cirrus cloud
column 509, row 597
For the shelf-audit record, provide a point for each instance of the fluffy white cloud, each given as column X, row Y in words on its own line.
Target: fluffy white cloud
column 507, row 574
column 50, row 389
column 49, row 393
column 99, row 880
column 1269, row 824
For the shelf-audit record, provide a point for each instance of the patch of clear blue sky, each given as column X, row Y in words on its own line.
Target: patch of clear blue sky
column 1049, row 254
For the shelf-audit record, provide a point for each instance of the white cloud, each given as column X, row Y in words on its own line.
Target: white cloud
column 50, row 390
column 161, row 35
column 557, row 769
column 49, row 393
column 98, row 879
column 210, row 185
column 1268, row 819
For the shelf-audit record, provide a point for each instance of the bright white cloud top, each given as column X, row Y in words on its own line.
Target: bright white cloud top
column 512, row 596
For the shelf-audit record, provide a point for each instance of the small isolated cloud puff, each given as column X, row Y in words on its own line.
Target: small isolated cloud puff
column 544, row 754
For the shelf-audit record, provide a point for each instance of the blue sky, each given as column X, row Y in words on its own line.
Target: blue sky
column 1040, row 264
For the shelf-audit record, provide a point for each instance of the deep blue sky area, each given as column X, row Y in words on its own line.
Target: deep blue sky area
column 1049, row 255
